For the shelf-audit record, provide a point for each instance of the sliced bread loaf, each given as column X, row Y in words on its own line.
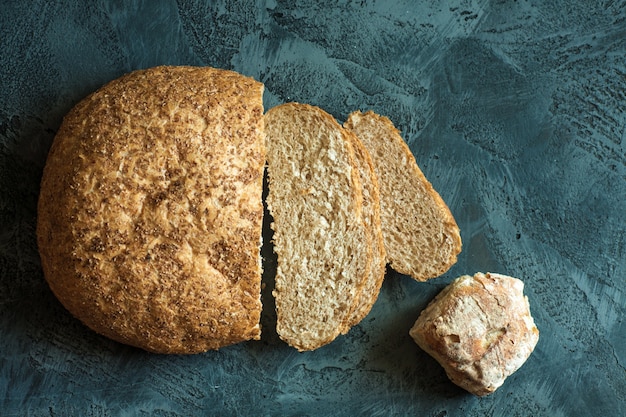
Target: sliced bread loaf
column 150, row 212
column 322, row 245
column 420, row 234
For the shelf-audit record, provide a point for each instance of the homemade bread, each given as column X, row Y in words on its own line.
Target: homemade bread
column 368, row 293
column 479, row 329
column 420, row 234
column 322, row 245
column 150, row 211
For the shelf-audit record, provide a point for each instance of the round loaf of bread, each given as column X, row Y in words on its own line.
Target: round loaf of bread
column 150, row 211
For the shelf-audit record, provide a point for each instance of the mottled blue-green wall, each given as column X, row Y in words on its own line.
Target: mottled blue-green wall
column 516, row 112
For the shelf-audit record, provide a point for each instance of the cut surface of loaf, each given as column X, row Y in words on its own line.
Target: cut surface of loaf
column 479, row 328
column 320, row 239
column 150, row 212
column 421, row 237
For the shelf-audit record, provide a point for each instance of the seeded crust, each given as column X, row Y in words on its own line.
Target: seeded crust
column 322, row 245
column 479, row 329
column 150, row 211
column 420, row 234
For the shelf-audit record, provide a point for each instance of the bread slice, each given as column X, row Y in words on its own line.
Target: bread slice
column 368, row 293
column 150, row 212
column 322, row 245
column 421, row 236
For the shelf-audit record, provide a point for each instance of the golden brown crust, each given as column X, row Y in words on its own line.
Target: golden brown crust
column 479, row 329
column 150, row 210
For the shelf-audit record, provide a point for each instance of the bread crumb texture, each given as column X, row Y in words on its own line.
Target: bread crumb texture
column 421, row 237
column 320, row 238
column 479, row 329
column 150, row 211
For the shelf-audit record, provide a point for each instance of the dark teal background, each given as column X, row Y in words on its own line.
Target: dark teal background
column 515, row 110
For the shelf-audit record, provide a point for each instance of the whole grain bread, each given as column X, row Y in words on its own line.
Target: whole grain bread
column 420, row 234
column 322, row 244
column 150, row 212
column 368, row 293
column 479, row 329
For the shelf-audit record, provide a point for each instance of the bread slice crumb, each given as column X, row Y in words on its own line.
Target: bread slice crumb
column 420, row 234
column 323, row 247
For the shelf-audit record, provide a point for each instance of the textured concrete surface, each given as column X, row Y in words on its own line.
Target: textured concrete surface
column 515, row 110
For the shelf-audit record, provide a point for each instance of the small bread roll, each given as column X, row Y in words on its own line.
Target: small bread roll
column 479, row 329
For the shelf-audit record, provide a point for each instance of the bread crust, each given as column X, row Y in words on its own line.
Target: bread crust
column 479, row 329
column 150, row 211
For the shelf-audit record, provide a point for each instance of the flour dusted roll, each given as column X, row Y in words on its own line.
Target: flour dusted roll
column 479, row 329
